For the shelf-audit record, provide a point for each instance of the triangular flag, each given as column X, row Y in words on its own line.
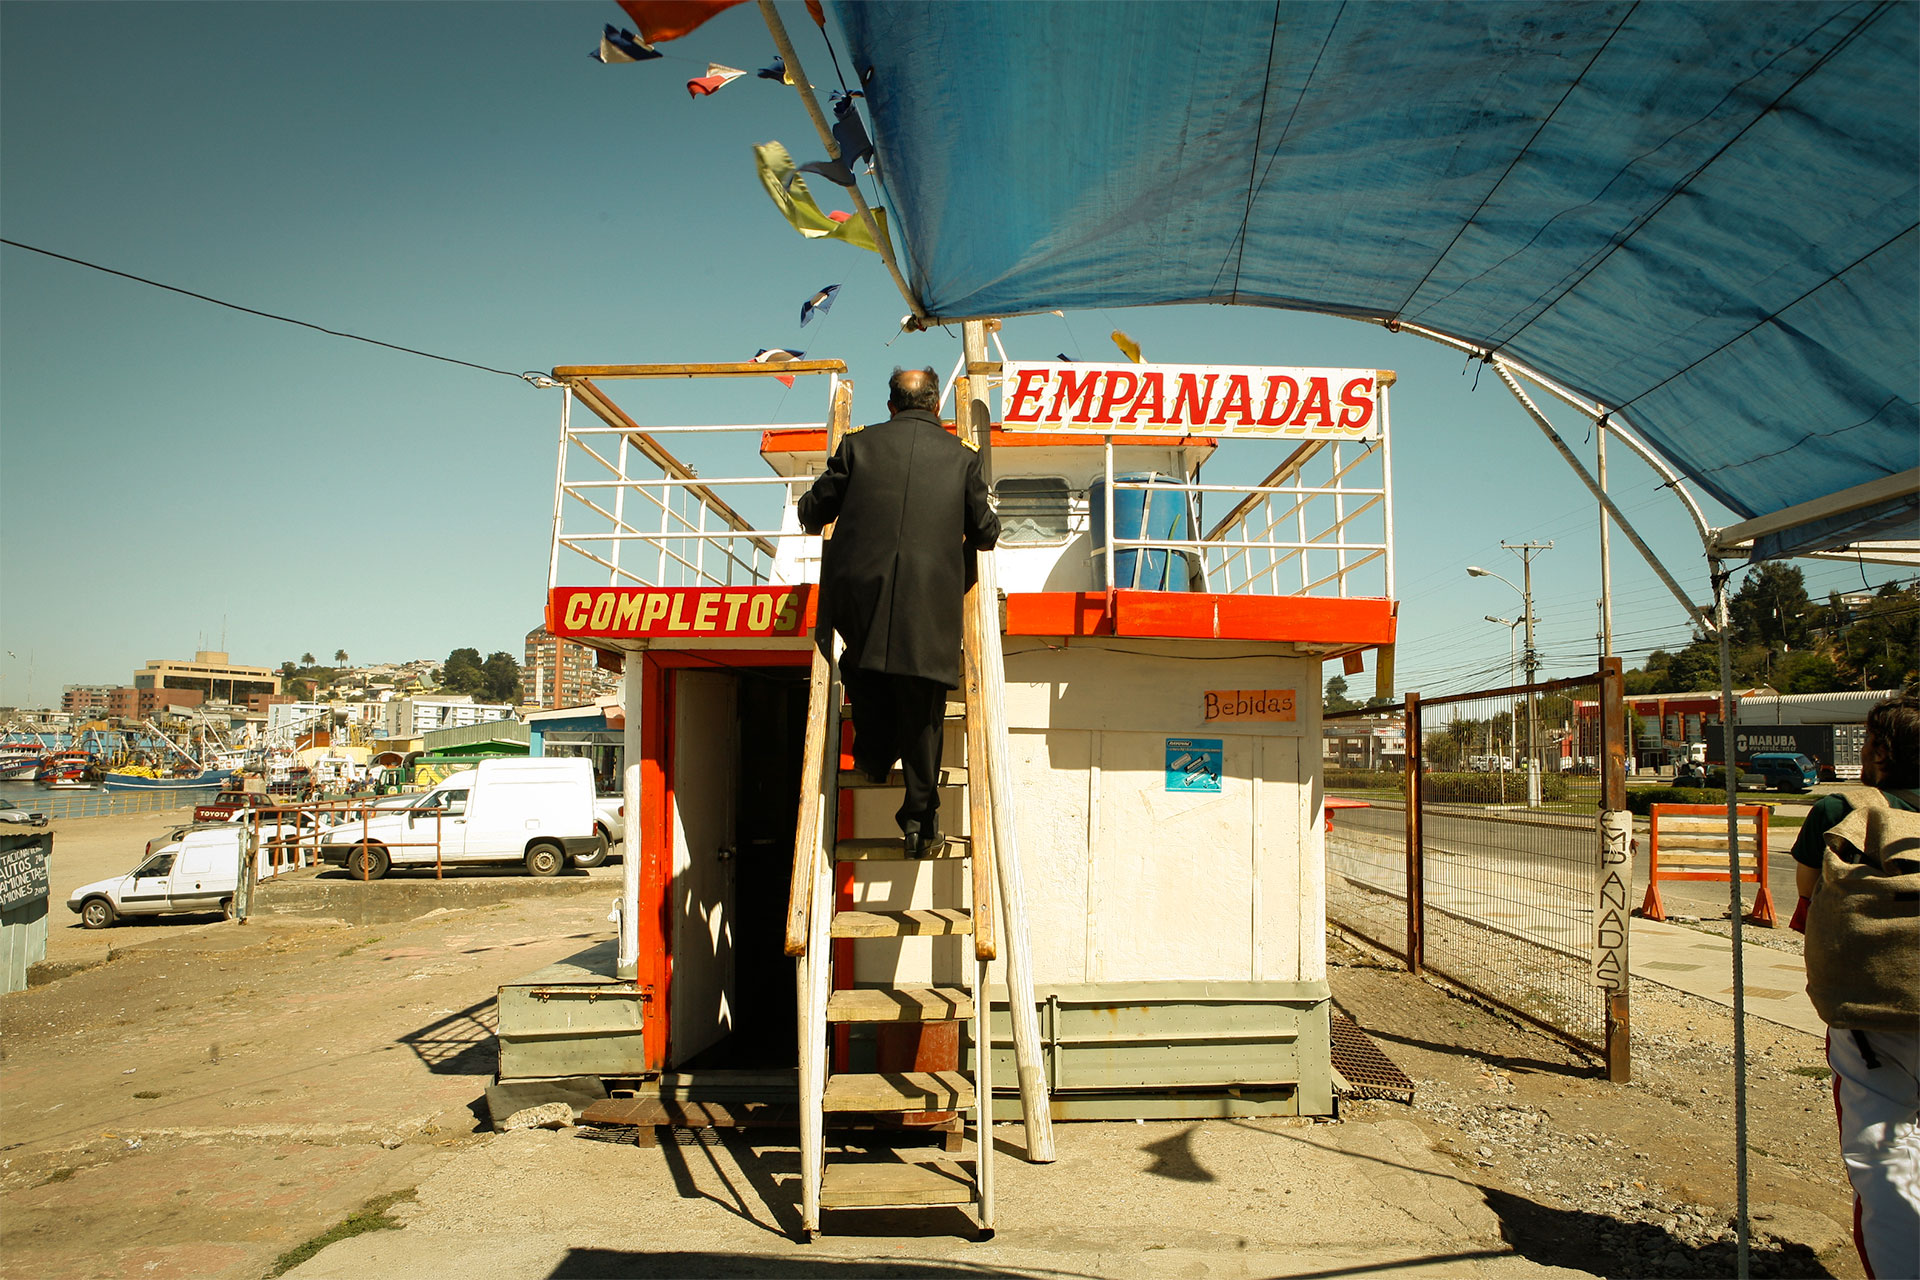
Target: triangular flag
column 797, row 205
column 777, row 355
column 850, row 134
column 819, row 303
column 621, row 45
column 1061, row 314
column 717, row 77
column 1127, row 345
column 670, row 19
column 776, row 70
column 818, row 14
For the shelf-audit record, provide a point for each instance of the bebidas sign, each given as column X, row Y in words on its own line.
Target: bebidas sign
column 1194, row 399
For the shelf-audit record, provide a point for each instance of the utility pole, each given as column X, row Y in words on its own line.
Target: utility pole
column 1526, row 551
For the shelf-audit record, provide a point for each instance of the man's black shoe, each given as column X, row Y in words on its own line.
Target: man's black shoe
column 928, row 846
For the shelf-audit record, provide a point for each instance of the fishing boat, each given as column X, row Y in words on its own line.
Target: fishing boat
column 20, row 761
column 150, row 780
column 68, row 771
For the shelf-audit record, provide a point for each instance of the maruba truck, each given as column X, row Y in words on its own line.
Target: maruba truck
column 532, row 813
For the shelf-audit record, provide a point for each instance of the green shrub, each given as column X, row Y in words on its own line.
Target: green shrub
column 1365, row 780
column 1485, row 788
column 1640, row 798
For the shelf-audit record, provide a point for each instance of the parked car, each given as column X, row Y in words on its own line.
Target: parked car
column 228, row 803
column 1785, row 770
column 610, row 825
column 536, row 813
column 201, row 872
column 11, row 812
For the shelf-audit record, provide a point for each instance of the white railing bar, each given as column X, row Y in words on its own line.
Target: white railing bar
column 602, row 511
column 606, row 564
column 619, row 505
column 1159, row 544
column 704, row 429
column 1342, row 573
column 717, row 535
column 596, row 457
column 1339, row 519
column 1331, row 490
column 559, row 486
column 676, row 482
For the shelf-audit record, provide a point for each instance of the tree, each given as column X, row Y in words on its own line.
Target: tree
column 1336, row 698
column 462, row 673
column 1770, row 608
column 340, row 656
column 501, row 676
column 306, row 659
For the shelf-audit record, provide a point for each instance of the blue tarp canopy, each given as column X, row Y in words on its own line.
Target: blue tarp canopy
column 1701, row 216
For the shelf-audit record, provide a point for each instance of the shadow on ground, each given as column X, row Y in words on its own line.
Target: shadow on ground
column 1608, row 1246
column 459, row 1044
column 619, row 1264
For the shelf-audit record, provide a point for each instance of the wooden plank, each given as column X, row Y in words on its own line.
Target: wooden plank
column 892, row 849
column 899, row 1091
column 655, row 1112
column 979, row 815
column 853, row 779
column 875, row 1184
column 726, row 369
column 929, row 922
column 900, row 1004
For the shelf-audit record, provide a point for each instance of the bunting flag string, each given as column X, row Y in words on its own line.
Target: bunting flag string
column 621, row 45
column 670, row 19
column 717, row 78
column 789, row 193
column 777, row 355
column 850, row 134
column 819, row 304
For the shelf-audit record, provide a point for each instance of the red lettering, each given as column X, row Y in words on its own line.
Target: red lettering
column 1189, row 395
column 1031, row 386
column 1356, row 411
column 1268, row 418
column 1314, row 404
column 1073, row 387
column 1152, row 388
column 1239, row 396
column 1117, row 391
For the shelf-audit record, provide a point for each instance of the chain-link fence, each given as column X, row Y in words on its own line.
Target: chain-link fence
column 1501, row 855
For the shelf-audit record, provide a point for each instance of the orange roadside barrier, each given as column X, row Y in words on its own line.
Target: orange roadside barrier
column 1689, row 842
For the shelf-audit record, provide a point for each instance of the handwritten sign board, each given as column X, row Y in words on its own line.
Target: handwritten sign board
column 23, row 870
column 1217, row 705
column 1193, row 399
column 684, row 612
column 1612, row 885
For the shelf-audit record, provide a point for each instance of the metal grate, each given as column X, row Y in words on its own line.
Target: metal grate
column 1367, row 1071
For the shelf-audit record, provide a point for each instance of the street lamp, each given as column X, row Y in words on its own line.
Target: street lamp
column 1526, row 551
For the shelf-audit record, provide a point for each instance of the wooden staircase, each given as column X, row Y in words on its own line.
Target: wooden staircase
column 814, row 923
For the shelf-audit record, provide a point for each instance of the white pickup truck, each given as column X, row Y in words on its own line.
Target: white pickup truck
column 537, row 813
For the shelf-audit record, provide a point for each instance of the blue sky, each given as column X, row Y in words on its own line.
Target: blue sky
column 465, row 180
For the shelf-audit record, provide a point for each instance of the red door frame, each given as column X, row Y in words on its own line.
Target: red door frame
column 655, row 921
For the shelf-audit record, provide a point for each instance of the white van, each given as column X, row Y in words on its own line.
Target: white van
column 199, row 872
column 534, row 813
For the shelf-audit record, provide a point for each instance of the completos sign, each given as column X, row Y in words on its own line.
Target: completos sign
column 1194, row 399
column 618, row 612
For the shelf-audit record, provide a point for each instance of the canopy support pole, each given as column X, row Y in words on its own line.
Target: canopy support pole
column 1694, row 611
column 1732, row 772
column 804, row 87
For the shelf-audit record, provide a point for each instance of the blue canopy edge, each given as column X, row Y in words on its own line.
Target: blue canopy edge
column 1700, row 215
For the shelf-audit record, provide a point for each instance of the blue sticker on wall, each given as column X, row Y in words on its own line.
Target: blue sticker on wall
column 1193, row 764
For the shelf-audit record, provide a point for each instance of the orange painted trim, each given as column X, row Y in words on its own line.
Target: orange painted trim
column 1354, row 621
column 654, row 959
column 809, row 440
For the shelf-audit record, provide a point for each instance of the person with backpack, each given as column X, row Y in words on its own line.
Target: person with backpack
column 1859, row 880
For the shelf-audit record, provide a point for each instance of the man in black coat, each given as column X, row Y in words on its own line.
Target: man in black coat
column 911, row 506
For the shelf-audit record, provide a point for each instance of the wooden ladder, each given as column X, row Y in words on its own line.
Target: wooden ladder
column 813, row 924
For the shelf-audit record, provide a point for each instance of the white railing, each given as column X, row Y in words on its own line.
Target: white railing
column 617, row 485
column 627, row 511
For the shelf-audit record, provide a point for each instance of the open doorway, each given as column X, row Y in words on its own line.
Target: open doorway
column 739, row 737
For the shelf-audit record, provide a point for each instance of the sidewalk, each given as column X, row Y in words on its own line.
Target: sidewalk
column 1701, row 964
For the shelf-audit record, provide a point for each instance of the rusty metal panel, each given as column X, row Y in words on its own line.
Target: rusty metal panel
column 1156, row 1037
column 1365, row 1071
column 572, row 1018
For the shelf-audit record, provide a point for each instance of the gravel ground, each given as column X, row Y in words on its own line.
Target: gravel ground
column 1631, row 1180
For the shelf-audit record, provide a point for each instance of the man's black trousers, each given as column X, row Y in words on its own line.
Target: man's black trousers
column 900, row 718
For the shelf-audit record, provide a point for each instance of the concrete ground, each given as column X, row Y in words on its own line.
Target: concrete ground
column 195, row 1098
column 1215, row 1199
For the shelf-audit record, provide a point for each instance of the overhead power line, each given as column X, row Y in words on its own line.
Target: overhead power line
column 531, row 376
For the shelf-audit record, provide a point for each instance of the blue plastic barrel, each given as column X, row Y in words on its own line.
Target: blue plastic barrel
column 1162, row 513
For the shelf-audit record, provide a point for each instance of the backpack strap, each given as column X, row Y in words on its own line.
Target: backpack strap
column 1909, row 798
column 1862, row 797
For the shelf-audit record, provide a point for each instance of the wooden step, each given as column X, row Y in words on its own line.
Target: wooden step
column 927, row 922
column 900, row 1004
column 899, row 1091
column 893, row 849
column 903, row 1184
column 851, row 779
